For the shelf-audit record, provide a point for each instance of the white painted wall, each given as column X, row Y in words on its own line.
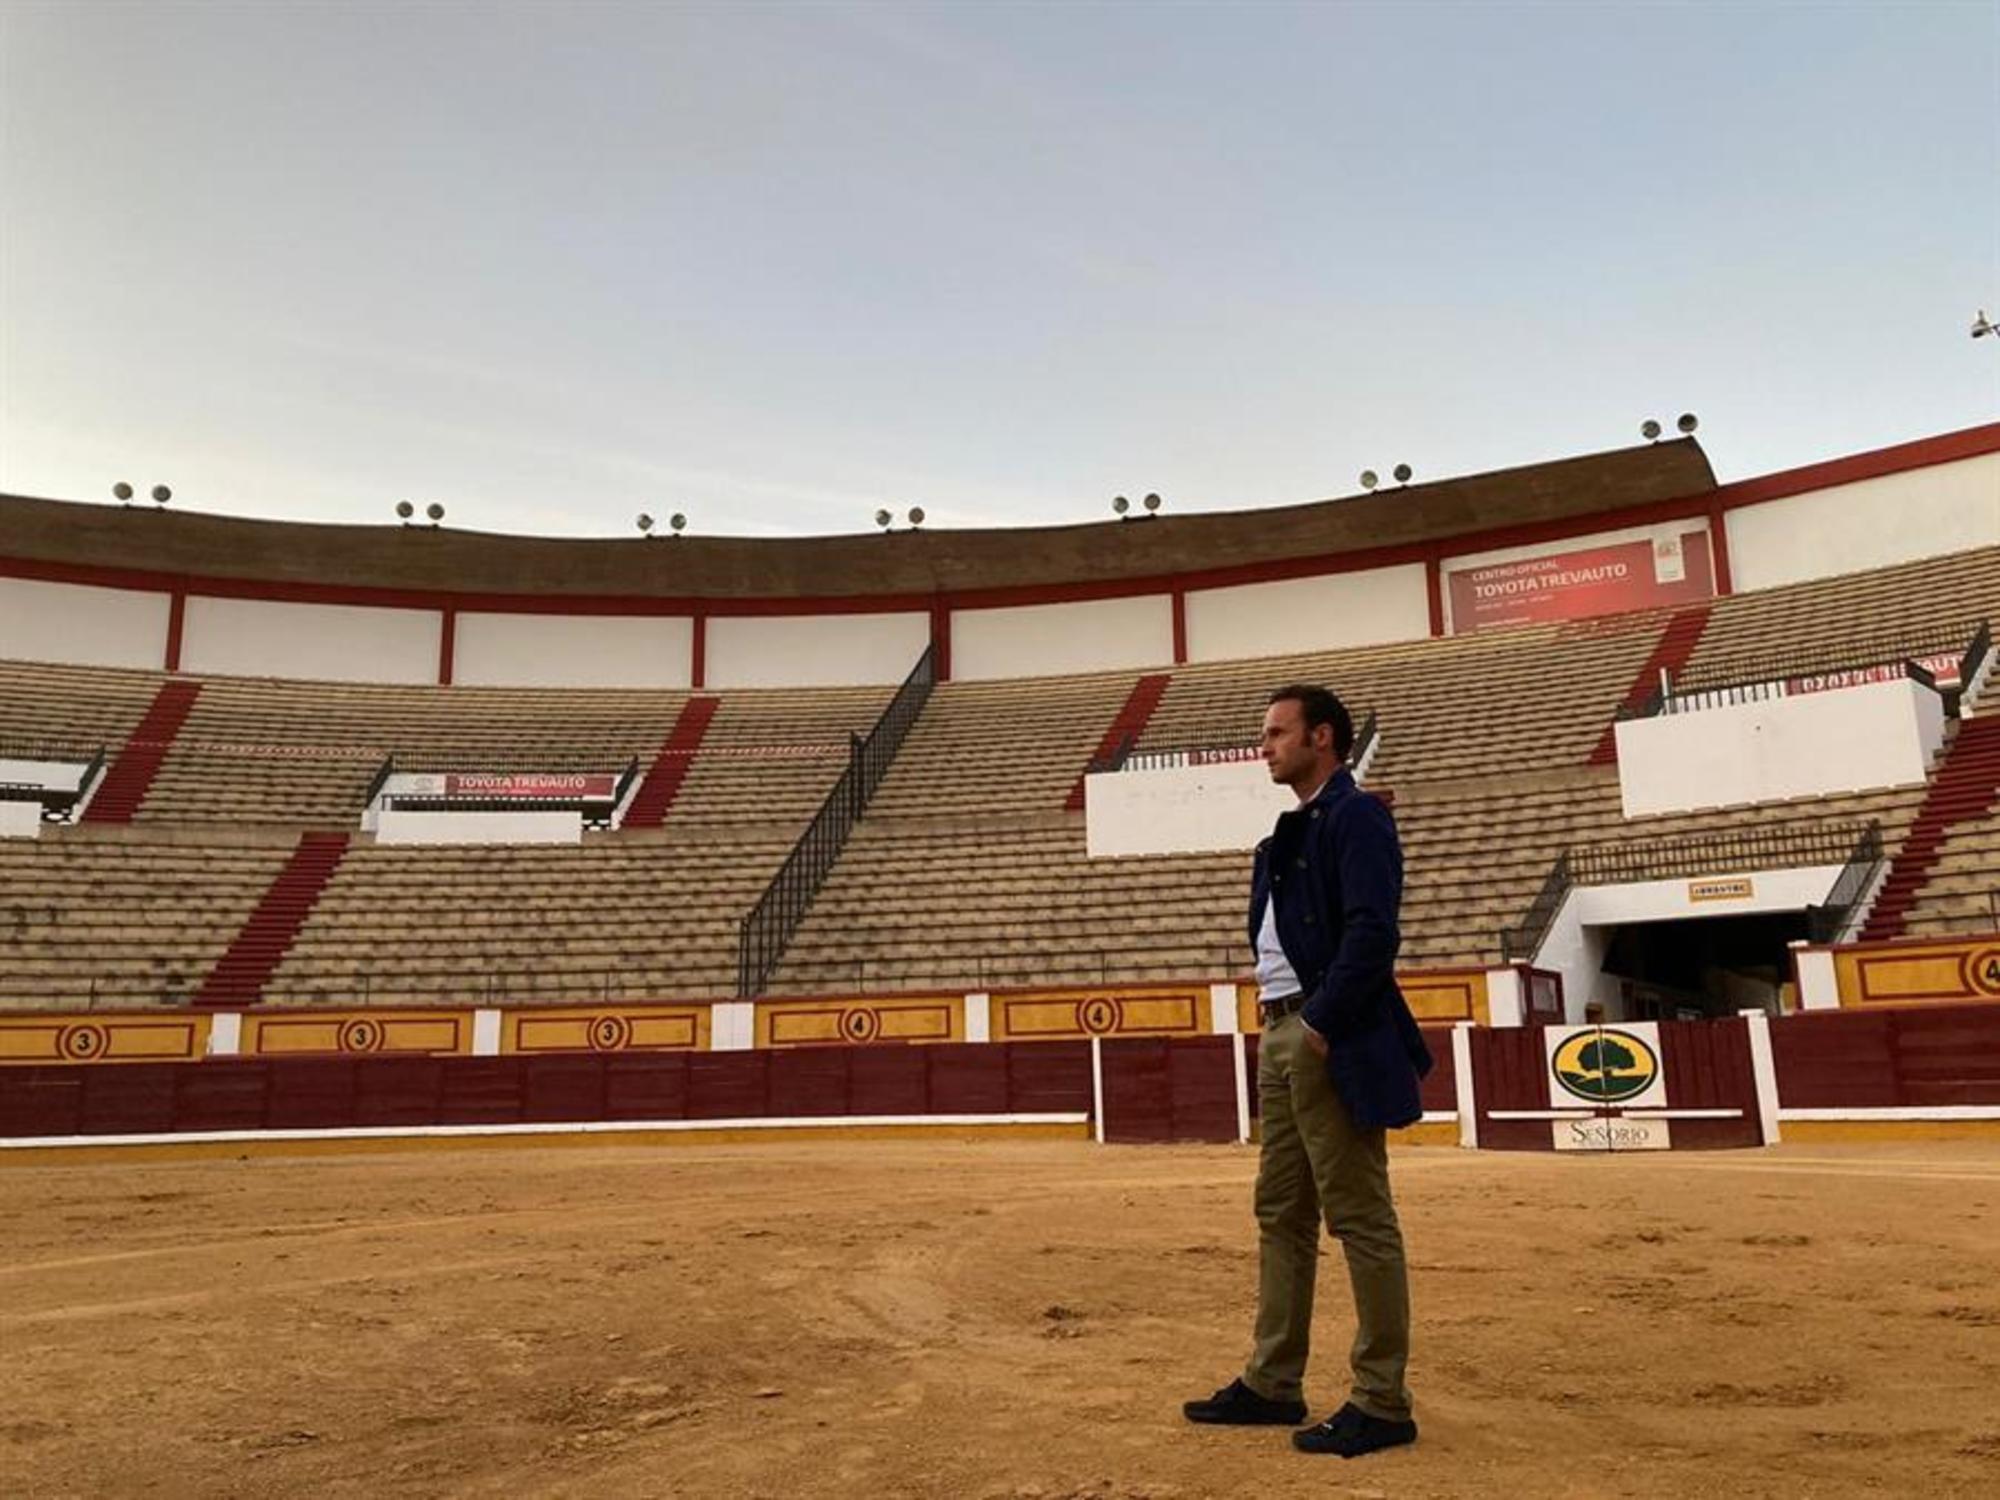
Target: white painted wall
column 331, row 642
column 394, row 826
column 1581, row 934
column 88, row 627
column 1190, row 808
column 1869, row 524
column 814, row 650
column 20, row 820
column 609, row 651
column 67, row 775
column 1308, row 614
column 1881, row 734
column 1047, row 640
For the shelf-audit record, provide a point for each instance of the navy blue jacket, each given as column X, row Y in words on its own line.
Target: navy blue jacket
column 1335, row 868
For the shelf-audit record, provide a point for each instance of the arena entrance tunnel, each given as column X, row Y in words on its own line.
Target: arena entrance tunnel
column 1705, row 968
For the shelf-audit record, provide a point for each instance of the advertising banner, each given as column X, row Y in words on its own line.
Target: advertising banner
column 572, row 788
column 1943, row 667
column 1641, row 574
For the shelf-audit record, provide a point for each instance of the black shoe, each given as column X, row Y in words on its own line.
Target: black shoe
column 1236, row 1405
column 1351, row 1432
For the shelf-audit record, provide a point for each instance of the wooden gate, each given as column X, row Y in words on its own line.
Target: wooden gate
column 1685, row 1085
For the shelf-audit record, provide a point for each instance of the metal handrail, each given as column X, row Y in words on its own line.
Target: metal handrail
column 1768, row 677
column 775, row 917
column 625, row 780
column 380, row 779
column 1825, row 923
column 1974, row 661
column 1517, row 943
column 1158, row 758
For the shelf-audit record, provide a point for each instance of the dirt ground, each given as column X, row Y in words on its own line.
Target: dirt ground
column 1001, row 1319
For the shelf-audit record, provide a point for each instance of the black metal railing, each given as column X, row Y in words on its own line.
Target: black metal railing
column 1519, row 943
column 1825, row 923
column 1741, row 680
column 778, row 912
column 379, row 780
column 1162, row 758
column 1974, row 661
column 1775, row 846
column 1114, row 759
column 625, row 779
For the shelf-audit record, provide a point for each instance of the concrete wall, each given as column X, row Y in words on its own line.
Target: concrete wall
column 331, row 642
column 1868, row 524
column 89, row 627
column 1880, row 734
column 1045, row 640
column 1308, row 614
column 396, row 827
column 814, row 650
column 501, row 650
column 1231, row 805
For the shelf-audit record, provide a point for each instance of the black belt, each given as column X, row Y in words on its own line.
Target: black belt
column 1270, row 1011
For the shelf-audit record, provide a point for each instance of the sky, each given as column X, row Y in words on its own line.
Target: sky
column 776, row 266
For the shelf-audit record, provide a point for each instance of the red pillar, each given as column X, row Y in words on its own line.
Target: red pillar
column 176, row 628
column 447, row 646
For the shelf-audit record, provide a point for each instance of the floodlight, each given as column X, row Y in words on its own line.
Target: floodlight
column 678, row 522
column 435, row 512
column 1402, row 473
column 1369, row 479
column 916, row 515
column 883, row 519
column 405, row 509
column 1687, row 423
column 1981, row 327
column 161, row 494
column 645, row 523
column 121, row 491
column 1649, row 430
column 1152, row 503
column 1120, row 504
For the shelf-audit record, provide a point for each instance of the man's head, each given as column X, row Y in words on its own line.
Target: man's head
column 1307, row 734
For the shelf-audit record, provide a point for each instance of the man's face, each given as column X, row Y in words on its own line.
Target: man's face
column 1289, row 750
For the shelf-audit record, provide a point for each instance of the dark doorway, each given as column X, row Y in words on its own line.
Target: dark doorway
column 1704, row 967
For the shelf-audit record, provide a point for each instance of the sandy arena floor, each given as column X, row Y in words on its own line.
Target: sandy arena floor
column 985, row 1320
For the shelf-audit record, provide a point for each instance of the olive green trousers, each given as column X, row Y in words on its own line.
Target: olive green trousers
column 1315, row 1162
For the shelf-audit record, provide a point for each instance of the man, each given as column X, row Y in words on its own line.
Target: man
column 1338, row 1066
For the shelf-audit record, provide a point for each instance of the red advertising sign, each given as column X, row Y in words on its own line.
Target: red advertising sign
column 1943, row 669
column 1644, row 574
column 570, row 788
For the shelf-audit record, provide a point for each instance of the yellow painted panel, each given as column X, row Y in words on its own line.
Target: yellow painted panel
column 1451, row 995
column 821, row 1023
column 1944, row 973
column 357, row 1032
column 102, row 1039
column 617, row 1029
column 1111, row 1011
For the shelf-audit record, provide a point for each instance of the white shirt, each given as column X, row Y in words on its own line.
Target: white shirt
column 1276, row 978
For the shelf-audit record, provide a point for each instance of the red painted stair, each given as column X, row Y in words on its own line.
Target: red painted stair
column 1966, row 786
column 670, row 767
column 1125, row 729
column 1670, row 655
column 240, row 975
column 131, row 775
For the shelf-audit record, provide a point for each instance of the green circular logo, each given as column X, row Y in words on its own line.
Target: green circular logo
column 1605, row 1066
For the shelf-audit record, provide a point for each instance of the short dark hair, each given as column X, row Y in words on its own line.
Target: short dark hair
column 1320, row 707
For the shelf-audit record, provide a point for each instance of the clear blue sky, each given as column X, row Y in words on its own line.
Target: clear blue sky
column 778, row 265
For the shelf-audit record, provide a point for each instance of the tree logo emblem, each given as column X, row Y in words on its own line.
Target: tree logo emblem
column 1604, row 1066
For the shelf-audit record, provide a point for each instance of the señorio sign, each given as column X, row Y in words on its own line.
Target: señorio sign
column 1642, row 574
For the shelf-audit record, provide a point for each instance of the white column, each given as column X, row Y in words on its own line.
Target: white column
column 1506, row 996
column 732, row 1026
column 1242, row 1068
column 979, row 1017
column 1097, row 1087
column 225, row 1034
column 1764, row 1069
column 486, row 1032
column 1222, row 1009
column 1468, row 1100
column 1819, row 986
